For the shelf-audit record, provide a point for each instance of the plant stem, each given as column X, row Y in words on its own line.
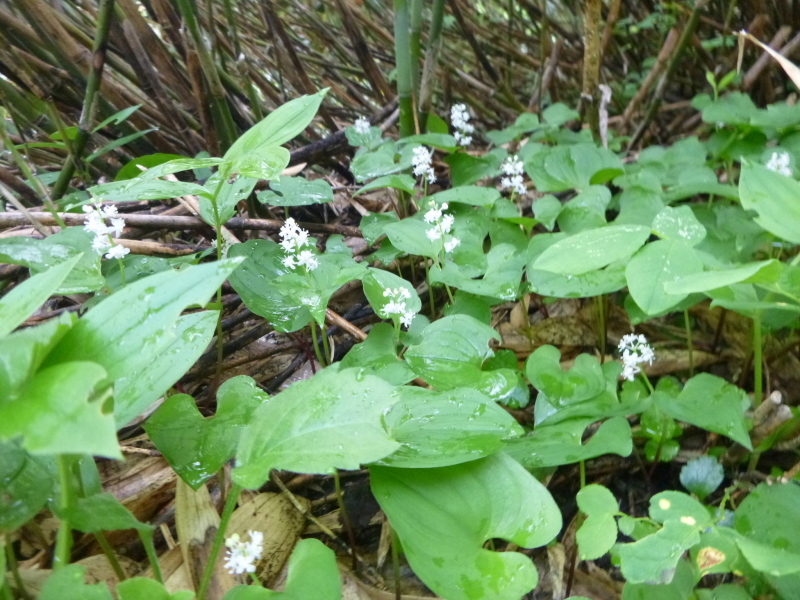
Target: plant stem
column 601, row 327
column 758, row 391
column 430, row 288
column 345, row 518
column 230, row 504
column 11, row 560
column 402, row 53
column 582, row 470
column 396, row 564
column 64, row 536
column 689, row 343
column 326, row 346
column 109, row 552
column 317, row 351
column 149, row 547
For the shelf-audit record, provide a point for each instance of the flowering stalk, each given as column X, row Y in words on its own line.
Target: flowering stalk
column 459, row 117
column 361, row 126
column 421, row 161
column 635, row 350
column 513, row 168
column 441, row 225
column 227, row 512
column 396, row 309
column 103, row 240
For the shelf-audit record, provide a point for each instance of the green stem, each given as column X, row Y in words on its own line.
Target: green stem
column 689, row 342
column 601, row 326
column 121, row 271
column 582, row 471
column 146, row 535
column 317, row 351
column 402, row 52
column 430, row 288
column 345, row 518
column 326, row 346
column 64, row 536
column 109, row 552
column 449, row 293
column 218, row 539
column 396, row 564
column 11, row 560
column 647, row 382
column 256, row 580
column 758, row 391
column 415, row 48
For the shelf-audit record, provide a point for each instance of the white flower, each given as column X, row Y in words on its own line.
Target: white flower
column 634, row 350
column 406, row 319
column 451, row 244
column 434, row 233
column 109, row 210
column 435, row 213
column 513, row 166
column 94, row 224
column 361, row 125
column 242, row 556
column 117, row 252
column 442, row 225
column 117, row 225
column 397, row 305
column 459, row 117
column 461, row 139
column 447, row 223
column 779, row 162
column 421, row 161
column 100, row 243
column 294, row 240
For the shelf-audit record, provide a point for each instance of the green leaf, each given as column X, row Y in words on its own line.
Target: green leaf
column 596, row 499
column 409, row 236
column 312, row 575
column 451, row 354
column 501, row 281
column 339, row 427
column 178, row 165
column 733, row 109
column 61, row 411
column 657, row 264
column 466, row 169
column 681, row 586
column 225, row 197
column 713, row 404
column 126, row 139
column 726, row 591
column 765, row 271
column 438, row 429
column 702, row 476
column 677, row 506
column 443, row 516
column 679, row 225
column 267, row 162
column 197, row 447
column 599, row 531
column 25, row 299
column 471, row 195
column 560, row 444
column 655, row 558
column 130, row 328
column 145, row 188
column 583, row 381
column 131, row 169
column 26, row 483
column 377, row 355
column 769, row 559
column 369, row 139
column 559, row 113
column 67, row 583
column 592, row 249
column 280, row 126
column 775, row 198
column 398, row 181
column 562, row 168
column 546, row 210
column 585, row 211
column 41, row 255
column 297, row 191
column 102, row 512
column 525, row 123
column 377, row 281
column 143, row 588
column 763, row 516
column 117, row 117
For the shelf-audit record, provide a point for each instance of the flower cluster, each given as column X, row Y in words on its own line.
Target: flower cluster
column 779, row 162
column 95, row 213
column 295, row 242
column 421, row 162
column 242, row 556
column 513, row 168
column 361, row 125
column 442, row 224
column 459, row 117
column 634, row 350
column 397, row 304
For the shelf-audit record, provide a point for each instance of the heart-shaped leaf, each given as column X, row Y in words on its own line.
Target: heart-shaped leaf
column 68, row 583
column 339, row 426
column 583, row 381
column 377, row 355
column 598, row 533
column 195, row 446
column 443, row 516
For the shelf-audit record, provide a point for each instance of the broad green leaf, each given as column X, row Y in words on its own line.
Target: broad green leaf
column 377, row 281
column 679, row 224
column 339, row 426
column 763, row 516
column 409, row 235
column 443, row 516
column 131, row 169
column 732, row 109
column 312, row 575
column 296, row 191
column 372, row 225
column 596, row 499
column 471, row 195
column 599, row 531
column 183, row 345
column 559, row 113
column 266, row 162
column 451, row 354
column 442, row 141
column 680, row 587
column 220, row 205
column 583, row 381
column 560, row 444
column 713, row 404
column 726, row 591
column 546, row 210
column 585, row 211
column 769, row 559
column 765, row 271
column 677, row 506
column 587, row 285
column 655, row 558
column 145, row 188
column 717, row 551
column 178, row 165
column 370, row 139
column 61, row 411
column 102, row 512
column 438, row 429
column 525, row 123
column 377, row 163
column 67, row 583
column 655, row 265
column 702, row 476
column 41, row 255
column 398, row 181
column 501, row 281
column 575, row 166
column 197, row 447
column 26, row 483
column 25, row 299
column 132, row 326
column 143, row 588
column 592, row 249
column 377, row 355
column 466, row 169
column 280, row 126
column 775, row 198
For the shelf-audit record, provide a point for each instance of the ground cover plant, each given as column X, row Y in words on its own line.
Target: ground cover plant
column 487, row 354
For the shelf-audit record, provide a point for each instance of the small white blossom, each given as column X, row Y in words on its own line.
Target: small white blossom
column 406, row 319
column 779, row 162
column 442, row 225
column 634, row 350
column 296, row 244
column 117, row 252
column 459, row 117
column 100, row 243
column 397, row 305
column 451, row 244
column 421, row 161
column 435, row 213
column 117, row 225
column 434, row 233
column 361, row 126
column 513, row 168
column 242, row 556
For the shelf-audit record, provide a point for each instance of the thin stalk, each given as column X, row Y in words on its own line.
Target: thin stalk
column 345, row 518
column 396, row 564
column 430, row 289
column 122, row 272
column 415, row 48
column 64, row 536
column 218, row 539
column 326, row 345
column 405, row 81
column 317, row 350
column 582, row 472
column 758, row 349
column 146, row 536
column 11, row 561
column 689, row 343
column 104, row 16
column 431, row 60
column 601, row 327
column 109, row 552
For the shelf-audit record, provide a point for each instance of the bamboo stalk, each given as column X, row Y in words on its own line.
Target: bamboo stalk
column 405, row 81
